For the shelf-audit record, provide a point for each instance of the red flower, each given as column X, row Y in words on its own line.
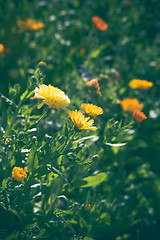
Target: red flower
column 139, row 116
column 99, row 23
column 25, row 169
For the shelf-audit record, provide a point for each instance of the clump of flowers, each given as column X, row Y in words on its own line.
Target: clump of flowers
column 80, row 121
column 130, row 104
column 92, row 110
column 99, row 23
column 94, row 83
column 139, row 116
column 140, row 84
column 52, row 96
column 18, row 174
column 30, row 24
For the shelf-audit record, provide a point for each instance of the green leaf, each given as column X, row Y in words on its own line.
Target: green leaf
column 54, row 170
column 4, row 183
column 94, row 180
column 13, row 236
column 24, row 95
column 32, row 162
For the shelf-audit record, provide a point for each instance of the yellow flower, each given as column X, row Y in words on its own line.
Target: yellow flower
column 130, row 104
column 140, row 84
column 42, row 64
column 92, row 110
column 80, row 121
column 52, row 96
column 18, row 174
column 30, row 24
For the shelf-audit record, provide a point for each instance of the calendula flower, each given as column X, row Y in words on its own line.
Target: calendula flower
column 87, row 206
column 140, row 84
column 3, row 49
column 92, row 110
column 80, row 121
column 94, row 83
column 52, row 96
column 130, row 104
column 139, row 116
column 99, row 23
column 42, row 64
column 18, row 174
column 25, row 169
column 30, row 24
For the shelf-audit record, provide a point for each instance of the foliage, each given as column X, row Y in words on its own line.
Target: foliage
column 80, row 184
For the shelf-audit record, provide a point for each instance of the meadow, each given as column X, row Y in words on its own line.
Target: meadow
column 79, row 120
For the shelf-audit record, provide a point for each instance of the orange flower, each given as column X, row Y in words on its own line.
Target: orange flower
column 99, row 23
column 25, row 169
column 18, row 174
column 29, row 24
column 87, row 206
column 94, row 83
column 140, row 84
column 139, row 116
column 3, row 49
column 130, row 104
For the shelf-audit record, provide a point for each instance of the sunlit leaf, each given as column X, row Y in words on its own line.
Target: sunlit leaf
column 94, row 180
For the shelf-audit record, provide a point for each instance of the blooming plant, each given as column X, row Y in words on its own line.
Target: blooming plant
column 140, row 84
column 139, row 116
column 30, row 24
column 130, row 104
column 83, row 164
column 52, row 96
column 18, row 174
column 99, row 23
column 80, row 121
column 92, row 110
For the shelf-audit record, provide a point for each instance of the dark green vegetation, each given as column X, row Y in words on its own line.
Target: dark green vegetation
column 68, row 169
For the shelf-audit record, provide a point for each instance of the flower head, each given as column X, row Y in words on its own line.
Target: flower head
column 3, row 49
column 42, row 64
column 94, row 83
column 139, row 116
column 87, row 206
column 25, row 169
column 92, row 110
column 18, row 174
column 140, row 84
column 130, row 104
column 80, row 121
column 99, row 23
column 29, row 24
column 52, row 96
